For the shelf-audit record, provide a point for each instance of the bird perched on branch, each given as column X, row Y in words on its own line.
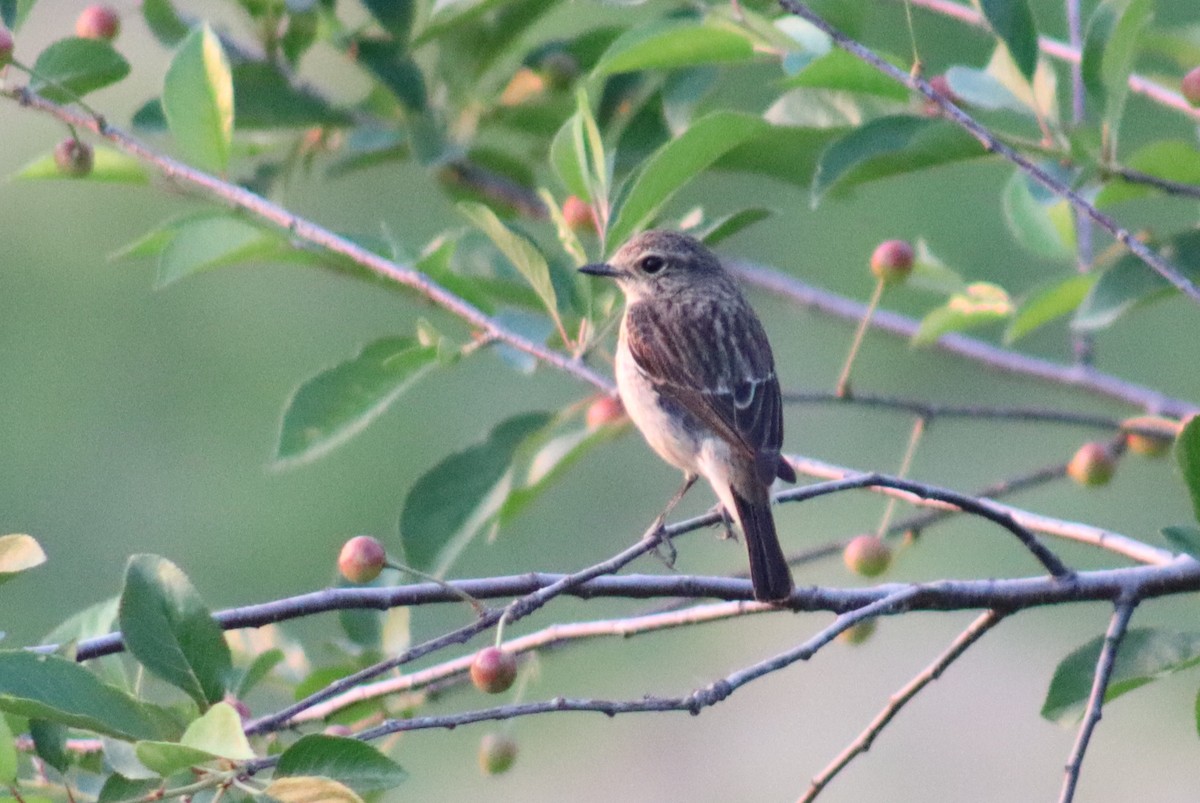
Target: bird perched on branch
column 696, row 375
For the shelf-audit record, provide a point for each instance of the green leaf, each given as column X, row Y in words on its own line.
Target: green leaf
column 309, row 789
column 1130, row 283
column 164, row 22
column 396, row 70
column 19, row 553
column 550, row 464
column 338, row 403
column 396, row 16
column 8, row 755
column 13, row 12
column 725, row 227
column 981, row 89
column 932, row 274
column 258, row 670
column 349, row 761
column 441, row 503
column 1036, row 219
column 577, row 154
column 216, row 735
column 669, row 44
column 838, row 69
column 1049, row 303
column 1109, row 48
column 979, row 304
column 108, row 165
column 1187, row 455
column 197, row 99
column 675, row 164
column 117, row 788
column 170, row 631
column 1013, row 23
column 1145, row 654
column 523, row 254
column 204, row 243
column 265, row 98
column 49, row 742
column 1183, row 537
column 94, row 620
column 1174, row 160
column 70, row 68
column 59, row 690
column 887, row 147
column 781, row 153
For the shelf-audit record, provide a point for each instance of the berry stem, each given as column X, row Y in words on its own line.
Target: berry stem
column 843, row 383
column 479, row 608
column 918, row 431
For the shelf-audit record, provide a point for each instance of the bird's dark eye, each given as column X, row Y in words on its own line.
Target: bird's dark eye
column 652, row 263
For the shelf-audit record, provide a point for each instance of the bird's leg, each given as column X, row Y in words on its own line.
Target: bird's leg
column 658, row 532
column 726, row 522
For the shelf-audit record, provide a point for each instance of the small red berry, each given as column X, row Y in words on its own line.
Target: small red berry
column 1092, row 465
column 604, row 410
column 579, row 214
column 1191, row 86
column 493, row 670
column 362, row 559
column 867, row 555
column 6, row 46
column 497, row 753
column 73, row 158
column 892, row 261
column 98, row 22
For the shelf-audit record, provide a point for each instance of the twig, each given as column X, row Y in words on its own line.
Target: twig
column 1117, row 628
column 897, row 701
column 1076, row 376
column 1064, row 52
column 1073, row 531
column 990, row 142
column 309, row 232
column 551, row 636
column 521, row 607
column 1165, row 184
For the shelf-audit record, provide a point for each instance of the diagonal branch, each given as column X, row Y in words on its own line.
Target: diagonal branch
column 1117, row 628
column 1153, row 259
column 862, row 744
column 308, row 232
column 987, row 355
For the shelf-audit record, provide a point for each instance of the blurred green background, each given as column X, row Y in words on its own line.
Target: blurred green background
column 143, row 421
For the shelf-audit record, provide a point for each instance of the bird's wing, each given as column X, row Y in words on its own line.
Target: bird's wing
column 714, row 360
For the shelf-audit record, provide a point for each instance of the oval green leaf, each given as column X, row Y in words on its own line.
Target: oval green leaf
column 108, row 165
column 356, row 764
column 1049, row 303
column 522, row 253
column 1043, row 225
column 170, row 631
column 669, row 44
column 1146, row 654
column 1129, row 284
column 890, row 146
column 59, row 690
column 838, row 69
column 979, row 304
column 445, row 498
column 197, row 100
column 1012, row 20
column 1187, row 455
column 675, row 164
column 70, row 68
column 338, row 403
column 210, row 242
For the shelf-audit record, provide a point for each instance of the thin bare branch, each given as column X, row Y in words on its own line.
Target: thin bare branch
column 1117, row 627
column 987, row 355
column 308, row 232
column 897, row 701
column 1154, row 260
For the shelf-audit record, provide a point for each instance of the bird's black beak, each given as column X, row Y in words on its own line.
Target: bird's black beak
column 600, row 269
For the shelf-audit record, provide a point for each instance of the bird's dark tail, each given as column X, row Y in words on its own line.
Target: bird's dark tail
column 769, row 572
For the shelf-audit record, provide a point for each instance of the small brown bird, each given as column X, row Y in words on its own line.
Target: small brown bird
column 697, row 377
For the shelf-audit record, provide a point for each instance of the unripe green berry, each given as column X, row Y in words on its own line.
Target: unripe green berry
column 362, row 559
column 892, row 261
column 493, row 670
column 497, row 753
column 1092, row 465
column 867, row 555
column 73, row 158
column 858, row 632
